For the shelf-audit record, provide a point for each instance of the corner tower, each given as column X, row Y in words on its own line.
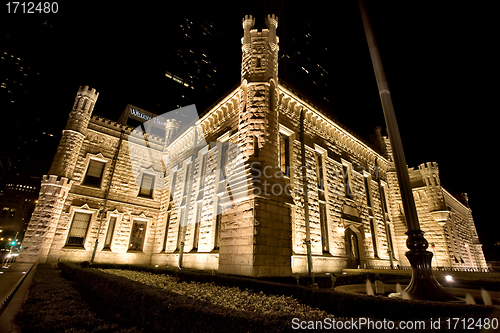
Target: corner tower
column 258, row 123
column 74, row 133
column 259, row 244
column 57, row 184
column 259, row 50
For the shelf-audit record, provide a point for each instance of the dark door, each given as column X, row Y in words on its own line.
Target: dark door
column 351, row 249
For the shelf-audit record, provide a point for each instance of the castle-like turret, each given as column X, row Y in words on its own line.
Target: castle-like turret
column 258, row 131
column 74, row 133
column 57, row 184
column 171, row 128
column 260, row 50
column 42, row 227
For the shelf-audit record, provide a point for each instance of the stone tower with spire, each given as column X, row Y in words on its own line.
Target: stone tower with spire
column 56, row 185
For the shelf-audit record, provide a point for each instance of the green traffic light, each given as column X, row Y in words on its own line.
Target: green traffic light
column 13, row 243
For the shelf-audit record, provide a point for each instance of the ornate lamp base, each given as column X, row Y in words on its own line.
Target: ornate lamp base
column 423, row 284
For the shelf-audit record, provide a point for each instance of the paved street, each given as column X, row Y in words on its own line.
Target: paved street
column 10, row 279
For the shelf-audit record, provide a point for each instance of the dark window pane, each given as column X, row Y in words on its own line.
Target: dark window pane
column 137, row 236
column 79, row 228
column 109, row 235
column 147, row 185
column 94, row 173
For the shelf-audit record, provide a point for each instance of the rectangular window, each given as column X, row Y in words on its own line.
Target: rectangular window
column 203, row 167
column 78, row 230
column 93, row 177
column 179, row 230
column 197, row 223
column 172, row 184
column 166, row 232
column 137, row 236
column 324, row 227
column 186, row 179
column 319, row 172
column 367, row 191
column 147, row 185
column 284, row 154
column 111, row 230
column 389, row 236
column 347, row 185
column 374, row 239
column 223, row 161
column 384, row 202
column 218, row 221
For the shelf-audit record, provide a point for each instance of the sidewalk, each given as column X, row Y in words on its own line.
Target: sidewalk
column 12, row 292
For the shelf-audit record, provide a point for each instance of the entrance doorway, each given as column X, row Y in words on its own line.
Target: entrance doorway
column 351, row 249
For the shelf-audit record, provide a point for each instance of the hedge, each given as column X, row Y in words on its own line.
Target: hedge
column 336, row 303
column 157, row 310
column 53, row 305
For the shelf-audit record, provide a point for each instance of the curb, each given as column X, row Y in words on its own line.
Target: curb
column 6, row 300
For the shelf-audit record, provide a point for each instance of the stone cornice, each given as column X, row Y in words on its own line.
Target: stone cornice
column 290, row 102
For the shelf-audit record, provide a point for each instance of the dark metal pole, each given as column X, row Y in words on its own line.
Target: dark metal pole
column 307, row 241
column 423, row 285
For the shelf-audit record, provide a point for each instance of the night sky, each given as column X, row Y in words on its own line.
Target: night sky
column 438, row 57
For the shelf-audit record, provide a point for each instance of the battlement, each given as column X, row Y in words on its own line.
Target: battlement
column 110, row 124
column 54, row 180
column 428, row 165
column 248, row 22
column 272, row 21
column 171, row 123
column 86, row 91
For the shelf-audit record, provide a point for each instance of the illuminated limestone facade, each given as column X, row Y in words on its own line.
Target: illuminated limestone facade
column 262, row 184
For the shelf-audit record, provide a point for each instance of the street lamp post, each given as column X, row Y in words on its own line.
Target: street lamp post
column 423, row 285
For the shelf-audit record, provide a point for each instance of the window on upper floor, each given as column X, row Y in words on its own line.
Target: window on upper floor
column 223, row 160
column 367, row 192
column 203, row 168
column 172, row 184
column 319, row 172
column 347, row 182
column 147, row 184
column 284, row 154
column 93, row 176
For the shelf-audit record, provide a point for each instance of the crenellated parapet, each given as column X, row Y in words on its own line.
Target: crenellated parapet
column 82, row 109
column 74, row 133
column 259, row 50
column 44, row 220
column 272, row 25
column 248, row 24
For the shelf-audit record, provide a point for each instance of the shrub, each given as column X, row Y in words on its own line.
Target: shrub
column 53, row 305
column 338, row 303
column 158, row 310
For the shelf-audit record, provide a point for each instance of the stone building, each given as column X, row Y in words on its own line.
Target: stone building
column 263, row 183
